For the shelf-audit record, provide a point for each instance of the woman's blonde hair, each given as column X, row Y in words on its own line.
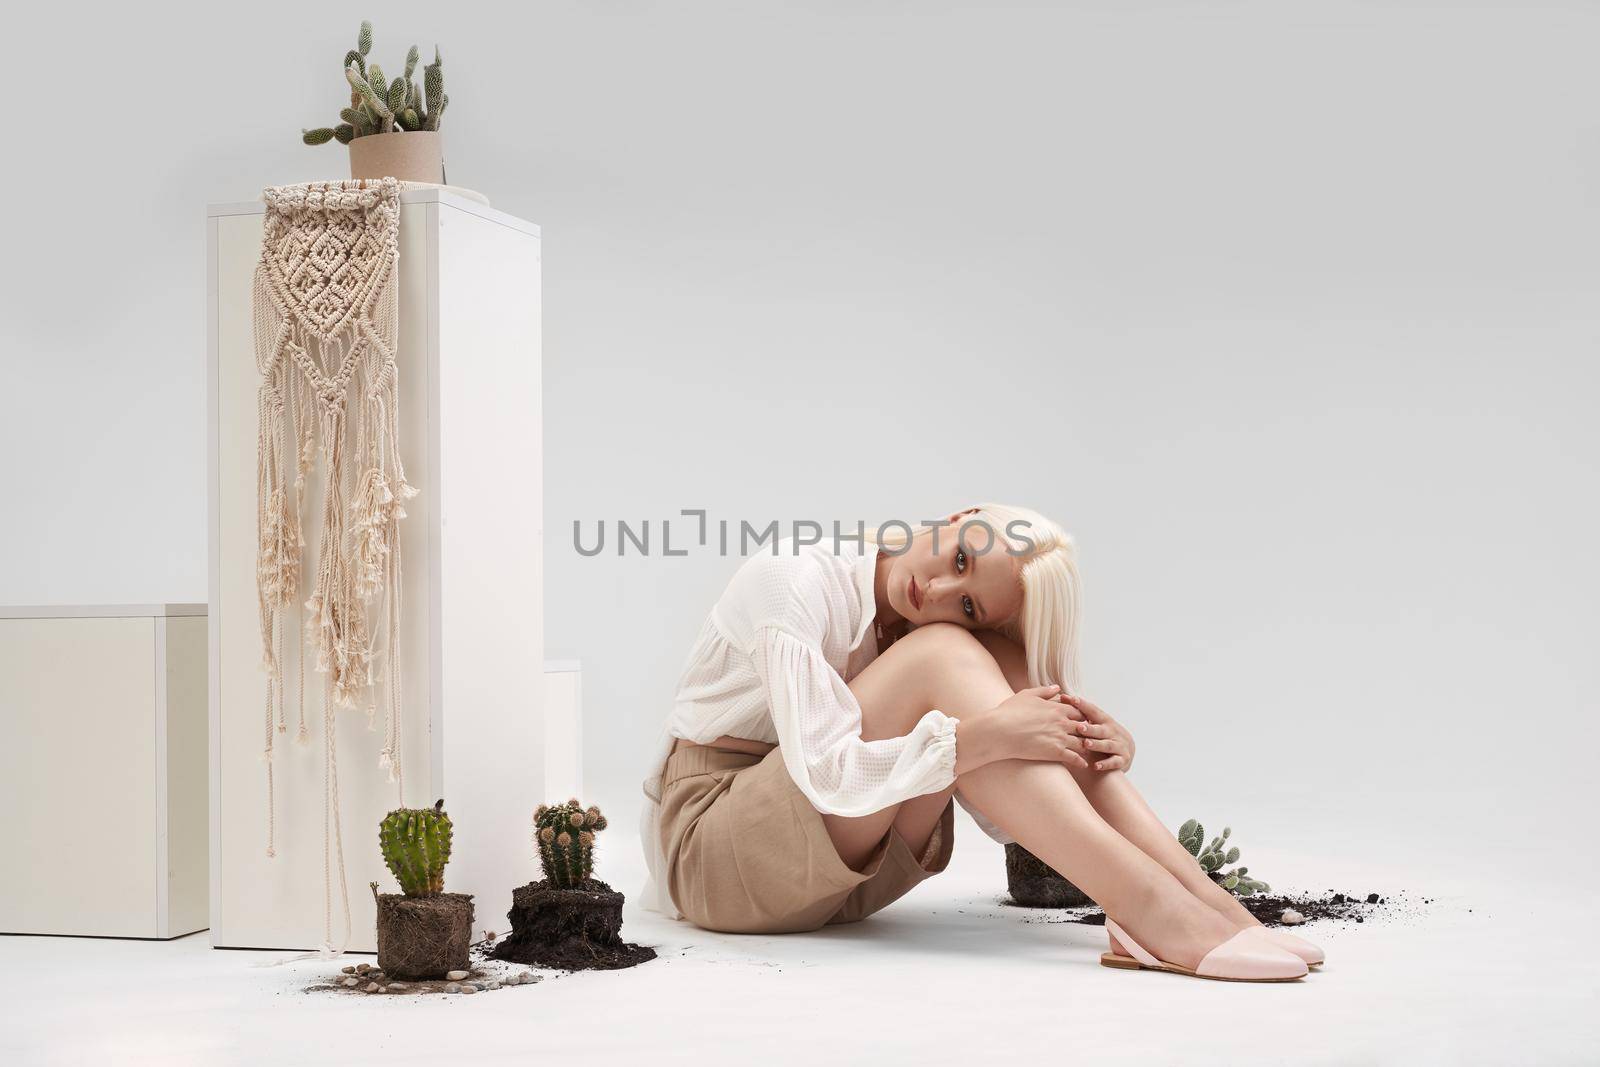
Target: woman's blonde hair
column 1046, row 626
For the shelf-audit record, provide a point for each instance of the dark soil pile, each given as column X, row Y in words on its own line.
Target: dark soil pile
column 1034, row 884
column 578, row 929
column 423, row 937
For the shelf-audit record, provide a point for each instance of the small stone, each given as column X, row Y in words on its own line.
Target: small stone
column 491, row 984
column 453, row 987
column 1372, row 898
column 398, row 986
column 351, row 983
column 348, row 970
column 363, row 968
column 372, row 987
column 1290, row 917
column 383, row 989
column 468, row 987
column 456, row 976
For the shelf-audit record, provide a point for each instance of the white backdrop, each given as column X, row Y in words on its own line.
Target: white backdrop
column 1287, row 310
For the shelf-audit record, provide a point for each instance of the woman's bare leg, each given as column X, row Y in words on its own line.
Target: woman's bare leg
column 934, row 667
column 1121, row 805
column 1037, row 803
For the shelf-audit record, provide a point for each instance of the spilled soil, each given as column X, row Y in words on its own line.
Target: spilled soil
column 1332, row 906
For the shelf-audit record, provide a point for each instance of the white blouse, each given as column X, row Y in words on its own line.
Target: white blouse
column 771, row 664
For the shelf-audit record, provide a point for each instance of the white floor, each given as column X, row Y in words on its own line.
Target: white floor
column 946, row 975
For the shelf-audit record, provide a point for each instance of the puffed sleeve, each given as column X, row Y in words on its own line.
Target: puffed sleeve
column 818, row 722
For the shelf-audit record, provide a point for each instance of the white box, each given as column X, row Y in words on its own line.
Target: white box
column 473, row 632
column 563, row 731
column 103, row 770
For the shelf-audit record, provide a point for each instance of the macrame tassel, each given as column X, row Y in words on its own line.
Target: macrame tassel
column 278, row 563
column 373, row 529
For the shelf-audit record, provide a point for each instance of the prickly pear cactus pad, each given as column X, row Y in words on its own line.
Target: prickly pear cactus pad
column 378, row 105
column 1212, row 858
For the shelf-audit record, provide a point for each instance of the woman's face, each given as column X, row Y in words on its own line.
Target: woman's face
column 945, row 577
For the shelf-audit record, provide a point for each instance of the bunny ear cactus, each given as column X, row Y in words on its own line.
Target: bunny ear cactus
column 564, row 836
column 1216, row 855
column 378, row 105
column 416, row 847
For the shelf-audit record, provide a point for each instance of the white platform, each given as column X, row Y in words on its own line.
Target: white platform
column 103, row 769
column 945, row 976
column 473, row 633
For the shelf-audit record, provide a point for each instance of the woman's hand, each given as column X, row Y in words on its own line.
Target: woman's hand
column 1106, row 741
column 1039, row 724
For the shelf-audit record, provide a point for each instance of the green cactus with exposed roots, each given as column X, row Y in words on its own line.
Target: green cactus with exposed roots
column 564, row 836
column 1212, row 858
column 378, row 105
column 416, row 846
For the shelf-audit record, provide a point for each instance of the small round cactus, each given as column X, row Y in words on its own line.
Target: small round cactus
column 564, row 836
column 416, row 846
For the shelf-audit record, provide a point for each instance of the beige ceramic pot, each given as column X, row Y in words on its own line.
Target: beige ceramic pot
column 410, row 157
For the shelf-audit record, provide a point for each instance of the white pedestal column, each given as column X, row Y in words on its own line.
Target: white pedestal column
column 473, row 632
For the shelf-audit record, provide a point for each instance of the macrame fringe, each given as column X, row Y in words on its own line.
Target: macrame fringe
column 326, row 316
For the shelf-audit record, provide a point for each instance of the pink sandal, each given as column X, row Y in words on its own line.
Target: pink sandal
column 1250, row 955
column 1312, row 954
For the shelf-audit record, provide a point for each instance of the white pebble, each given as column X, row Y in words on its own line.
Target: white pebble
column 351, row 983
column 456, row 976
column 398, row 985
column 453, row 987
column 1290, row 917
column 469, row 988
column 372, row 987
column 383, row 989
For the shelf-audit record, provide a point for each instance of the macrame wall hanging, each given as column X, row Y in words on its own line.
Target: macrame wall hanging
column 326, row 297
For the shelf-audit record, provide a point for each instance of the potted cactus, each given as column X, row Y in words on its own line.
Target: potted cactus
column 1034, row 884
column 423, row 932
column 569, row 919
column 392, row 127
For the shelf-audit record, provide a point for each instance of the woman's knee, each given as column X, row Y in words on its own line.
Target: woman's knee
column 946, row 645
